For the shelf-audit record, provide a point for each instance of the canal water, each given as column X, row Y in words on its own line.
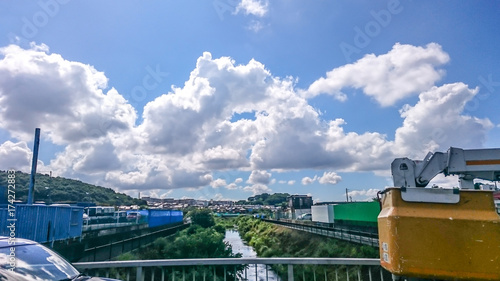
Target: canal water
column 234, row 239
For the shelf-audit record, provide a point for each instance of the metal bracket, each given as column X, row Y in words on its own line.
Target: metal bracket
column 430, row 195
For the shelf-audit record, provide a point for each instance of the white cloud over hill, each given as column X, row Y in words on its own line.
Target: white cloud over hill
column 190, row 132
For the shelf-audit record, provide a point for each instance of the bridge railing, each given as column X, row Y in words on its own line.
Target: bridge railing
column 289, row 269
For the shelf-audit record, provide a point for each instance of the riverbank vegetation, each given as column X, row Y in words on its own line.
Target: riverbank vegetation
column 203, row 239
column 270, row 240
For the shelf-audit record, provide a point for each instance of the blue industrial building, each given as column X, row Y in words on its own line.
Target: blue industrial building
column 163, row 217
column 42, row 223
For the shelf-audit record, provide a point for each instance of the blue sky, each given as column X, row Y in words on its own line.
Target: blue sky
column 224, row 99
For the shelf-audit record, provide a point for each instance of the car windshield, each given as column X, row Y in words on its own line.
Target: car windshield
column 34, row 262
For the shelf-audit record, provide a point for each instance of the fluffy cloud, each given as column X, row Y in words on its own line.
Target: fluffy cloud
column 253, row 7
column 235, row 184
column 436, row 122
column 15, row 156
column 308, row 180
column 192, row 131
column 365, row 194
column 257, row 189
column 218, row 183
column 64, row 98
column 330, row 178
column 326, row 178
column 387, row 78
column 259, row 177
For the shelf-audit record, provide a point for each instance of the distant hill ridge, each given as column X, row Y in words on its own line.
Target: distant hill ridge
column 62, row 190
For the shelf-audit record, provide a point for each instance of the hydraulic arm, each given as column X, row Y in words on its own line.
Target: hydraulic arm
column 437, row 233
column 467, row 164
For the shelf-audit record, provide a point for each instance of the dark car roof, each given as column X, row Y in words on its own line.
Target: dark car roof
column 4, row 242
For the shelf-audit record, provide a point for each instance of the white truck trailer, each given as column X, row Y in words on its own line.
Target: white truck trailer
column 322, row 213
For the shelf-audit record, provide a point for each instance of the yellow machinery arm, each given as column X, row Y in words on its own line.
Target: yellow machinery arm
column 434, row 233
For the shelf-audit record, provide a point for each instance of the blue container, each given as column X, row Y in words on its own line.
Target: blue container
column 177, row 216
column 163, row 217
column 42, row 223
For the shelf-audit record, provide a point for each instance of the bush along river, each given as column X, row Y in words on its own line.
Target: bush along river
column 238, row 246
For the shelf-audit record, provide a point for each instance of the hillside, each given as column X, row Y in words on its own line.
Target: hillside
column 266, row 199
column 58, row 189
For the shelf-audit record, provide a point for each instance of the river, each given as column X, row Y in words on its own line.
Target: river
column 234, row 239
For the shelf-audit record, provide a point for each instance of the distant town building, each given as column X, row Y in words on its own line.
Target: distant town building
column 299, row 205
column 300, row 202
column 171, row 203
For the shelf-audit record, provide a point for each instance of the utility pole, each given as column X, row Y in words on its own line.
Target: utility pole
column 36, row 144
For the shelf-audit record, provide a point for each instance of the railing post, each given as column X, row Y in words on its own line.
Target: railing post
column 138, row 275
column 290, row 272
column 110, row 250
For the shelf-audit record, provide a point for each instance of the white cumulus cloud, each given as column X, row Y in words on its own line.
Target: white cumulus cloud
column 257, row 8
column 190, row 132
column 64, row 98
column 330, row 178
column 257, row 189
column 436, row 122
column 259, row 177
column 405, row 70
column 15, row 156
column 308, row 180
column 365, row 194
column 218, row 183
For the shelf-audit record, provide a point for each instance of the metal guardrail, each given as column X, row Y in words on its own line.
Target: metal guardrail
column 351, row 235
column 90, row 227
column 317, row 269
column 114, row 249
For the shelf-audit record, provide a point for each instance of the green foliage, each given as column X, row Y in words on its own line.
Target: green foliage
column 126, row 257
column 272, row 240
column 226, row 223
column 58, row 189
column 266, row 199
column 203, row 217
column 193, row 242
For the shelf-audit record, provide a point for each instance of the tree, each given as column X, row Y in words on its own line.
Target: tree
column 202, row 217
